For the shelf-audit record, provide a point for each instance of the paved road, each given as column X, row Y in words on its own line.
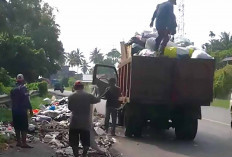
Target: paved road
column 39, row 150
column 214, row 139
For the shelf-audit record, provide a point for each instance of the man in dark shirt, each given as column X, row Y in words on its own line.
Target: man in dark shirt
column 20, row 106
column 111, row 95
column 165, row 23
column 79, row 129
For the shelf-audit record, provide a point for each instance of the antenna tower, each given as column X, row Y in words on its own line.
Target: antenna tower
column 180, row 18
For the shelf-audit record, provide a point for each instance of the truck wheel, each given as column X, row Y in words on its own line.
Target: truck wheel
column 186, row 130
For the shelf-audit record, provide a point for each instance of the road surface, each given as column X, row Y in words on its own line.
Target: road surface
column 214, row 138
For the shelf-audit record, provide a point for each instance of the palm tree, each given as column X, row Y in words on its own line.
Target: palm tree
column 226, row 40
column 211, row 34
column 85, row 67
column 75, row 58
column 96, row 56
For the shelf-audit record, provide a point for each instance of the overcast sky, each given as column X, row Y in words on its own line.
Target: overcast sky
column 88, row 24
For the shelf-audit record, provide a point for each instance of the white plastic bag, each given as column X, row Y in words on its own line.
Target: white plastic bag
column 201, row 54
column 150, row 44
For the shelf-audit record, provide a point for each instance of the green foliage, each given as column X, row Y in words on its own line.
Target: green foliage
column 85, row 67
column 220, row 55
column 3, row 139
column 223, row 82
column 64, row 81
column 5, row 78
column 43, row 88
column 5, row 90
column 37, row 100
column 6, row 115
column 29, row 39
column 75, row 58
column 96, row 57
column 1, row 88
column 224, row 103
column 32, row 86
column 223, row 43
column 71, row 81
column 114, row 55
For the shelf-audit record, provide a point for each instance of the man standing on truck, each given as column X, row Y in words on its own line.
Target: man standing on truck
column 165, row 23
column 111, row 95
column 79, row 103
column 20, row 106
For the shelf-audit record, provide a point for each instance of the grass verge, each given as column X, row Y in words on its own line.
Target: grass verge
column 6, row 115
column 37, row 100
column 224, row 103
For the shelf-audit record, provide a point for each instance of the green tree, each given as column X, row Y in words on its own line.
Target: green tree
column 114, row 55
column 19, row 55
column 34, row 19
column 224, row 43
column 75, row 58
column 85, row 67
column 96, row 57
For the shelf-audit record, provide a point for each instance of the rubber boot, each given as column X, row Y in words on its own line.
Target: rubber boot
column 75, row 151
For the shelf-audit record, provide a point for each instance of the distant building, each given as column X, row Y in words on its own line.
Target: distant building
column 87, row 78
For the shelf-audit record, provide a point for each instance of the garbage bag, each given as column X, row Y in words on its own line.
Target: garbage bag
column 93, row 143
column 178, row 52
column 47, row 101
column 40, row 118
column 147, row 52
column 136, row 48
column 52, row 107
column 150, row 44
column 201, row 54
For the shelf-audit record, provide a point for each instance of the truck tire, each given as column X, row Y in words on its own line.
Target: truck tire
column 128, row 126
column 187, row 129
column 133, row 123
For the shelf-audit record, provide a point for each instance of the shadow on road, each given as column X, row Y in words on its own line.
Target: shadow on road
column 212, row 140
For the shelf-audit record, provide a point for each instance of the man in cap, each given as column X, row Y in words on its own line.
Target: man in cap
column 20, row 106
column 79, row 103
column 111, row 95
column 165, row 23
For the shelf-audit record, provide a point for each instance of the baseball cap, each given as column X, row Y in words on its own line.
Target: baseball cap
column 78, row 83
column 20, row 77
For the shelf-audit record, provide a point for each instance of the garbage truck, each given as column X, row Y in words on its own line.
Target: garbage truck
column 160, row 92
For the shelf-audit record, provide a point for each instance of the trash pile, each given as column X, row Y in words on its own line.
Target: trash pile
column 50, row 124
column 144, row 45
column 6, row 135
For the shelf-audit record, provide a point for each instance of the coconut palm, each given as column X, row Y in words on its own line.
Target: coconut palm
column 75, row 58
column 85, row 67
column 96, row 56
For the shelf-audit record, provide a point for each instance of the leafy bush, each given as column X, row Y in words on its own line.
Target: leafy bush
column 1, row 88
column 223, row 82
column 64, row 81
column 43, row 88
column 71, row 81
column 5, row 79
column 32, row 86
column 4, row 90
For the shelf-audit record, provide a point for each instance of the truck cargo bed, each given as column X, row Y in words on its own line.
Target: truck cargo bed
column 149, row 80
